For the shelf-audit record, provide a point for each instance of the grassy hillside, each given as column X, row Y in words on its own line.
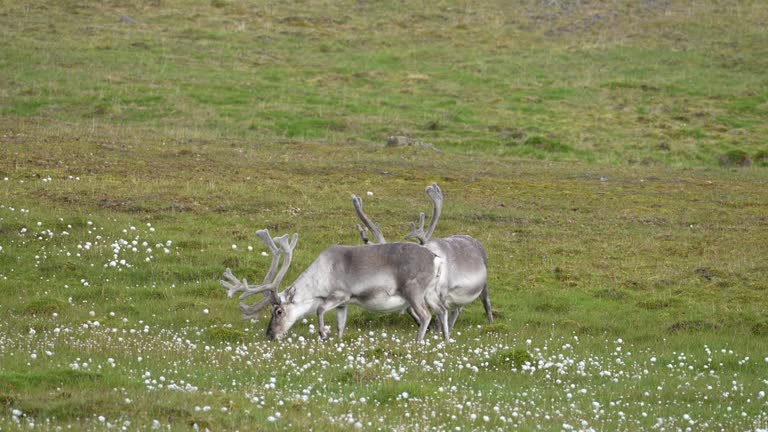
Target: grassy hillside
column 609, row 156
column 678, row 83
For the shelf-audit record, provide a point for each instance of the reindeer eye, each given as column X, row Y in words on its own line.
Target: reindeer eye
column 278, row 311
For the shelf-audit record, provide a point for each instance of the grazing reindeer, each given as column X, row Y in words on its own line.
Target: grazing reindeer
column 464, row 276
column 381, row 278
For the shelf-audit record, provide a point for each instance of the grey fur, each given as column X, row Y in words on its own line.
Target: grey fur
column 464, row 276
column 381, row 278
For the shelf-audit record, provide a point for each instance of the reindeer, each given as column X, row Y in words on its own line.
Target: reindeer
column 381, row 278
column 464, row 277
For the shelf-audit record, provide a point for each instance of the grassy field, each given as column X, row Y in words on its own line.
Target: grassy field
column 610, row 156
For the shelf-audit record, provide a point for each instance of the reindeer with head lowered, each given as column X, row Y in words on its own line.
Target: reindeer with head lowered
column 441, row 274
column 381, row 278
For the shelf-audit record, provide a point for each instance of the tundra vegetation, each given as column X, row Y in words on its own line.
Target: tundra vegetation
column 609, row 156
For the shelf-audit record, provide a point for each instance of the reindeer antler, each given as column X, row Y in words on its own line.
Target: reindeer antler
column 271, row 282
column 357, row 203
column 436, row 194
column 418, row 233
column 235, row 285
column 268, row 285
column 286, row 249
column 265, row 237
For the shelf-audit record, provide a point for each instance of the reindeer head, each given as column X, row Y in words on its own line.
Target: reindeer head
column 282, row 319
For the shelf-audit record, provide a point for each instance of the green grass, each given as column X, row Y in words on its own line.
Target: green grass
column 577, row 74
column 609, row 156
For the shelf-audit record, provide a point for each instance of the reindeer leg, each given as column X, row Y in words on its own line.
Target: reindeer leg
column 486, row 303
column 413, row 315
column 341, row 319
column 454, row 315
column 328, row 304
column 442, row 322
column 425, row 317
column 321, row 323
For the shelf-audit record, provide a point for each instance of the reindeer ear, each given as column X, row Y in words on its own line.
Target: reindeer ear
column 289, row 293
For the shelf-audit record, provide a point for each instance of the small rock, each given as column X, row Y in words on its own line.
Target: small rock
column 735, row 158
column 127, row 20
column 403, row 141
column 706, row 273
column 398, row 141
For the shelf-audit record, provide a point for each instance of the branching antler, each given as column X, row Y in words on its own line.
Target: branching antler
column 267, row 239
column 436, row 194
column 277, row 246
column 286, row 249
column 268, row 285
column 418, row 233
column 378, row 237
column 270, row 288
column 234, row 285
